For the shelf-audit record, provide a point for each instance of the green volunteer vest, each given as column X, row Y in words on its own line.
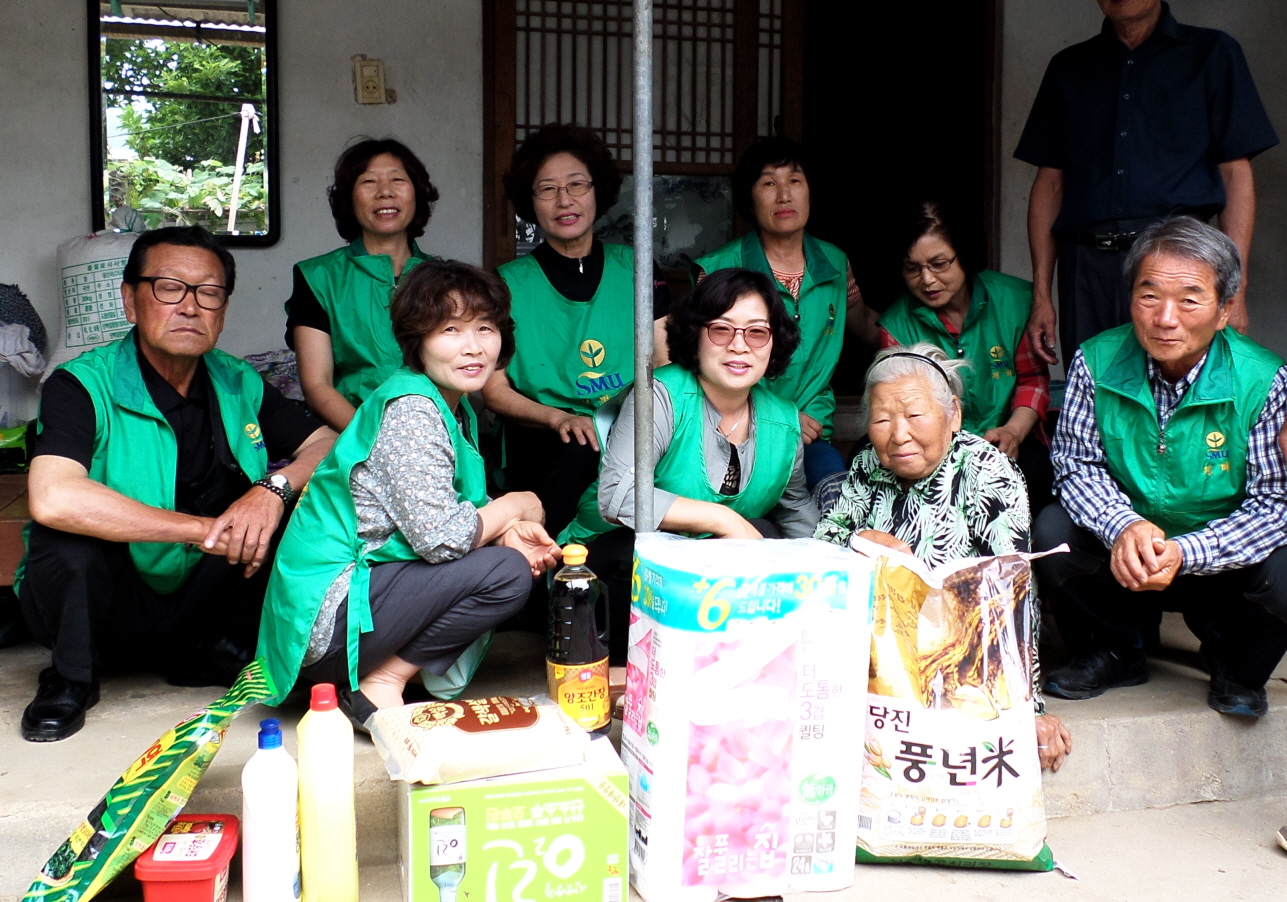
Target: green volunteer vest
column 573, row 355
column 998, row 315
column 819, row 312
column 682, row 468
column 322, row 537
column 355, row 288
column 1195, row 471
column 136, row 452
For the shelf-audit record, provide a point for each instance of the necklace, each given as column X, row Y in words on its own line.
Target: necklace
column 733, row 428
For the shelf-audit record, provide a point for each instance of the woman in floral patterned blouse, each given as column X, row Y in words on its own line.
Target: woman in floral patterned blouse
column 923, row 486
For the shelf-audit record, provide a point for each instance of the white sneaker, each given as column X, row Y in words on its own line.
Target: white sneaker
column 1281, row 836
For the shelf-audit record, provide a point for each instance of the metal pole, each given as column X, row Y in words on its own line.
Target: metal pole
column 644, row 462
column 247, row 114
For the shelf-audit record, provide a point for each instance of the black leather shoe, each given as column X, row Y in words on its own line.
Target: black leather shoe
column 1094, row 674
column 1228, row 697
column 58, row 710
column 356, row 707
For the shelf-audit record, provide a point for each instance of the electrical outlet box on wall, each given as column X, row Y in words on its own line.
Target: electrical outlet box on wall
column 368, row 79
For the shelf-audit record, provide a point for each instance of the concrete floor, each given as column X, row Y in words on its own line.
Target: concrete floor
column 1218, row 850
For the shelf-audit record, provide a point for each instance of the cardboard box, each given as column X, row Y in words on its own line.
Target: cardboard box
column 746, row 673
column 552, row 834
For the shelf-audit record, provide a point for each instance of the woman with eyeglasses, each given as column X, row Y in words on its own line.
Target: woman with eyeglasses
column 977, row 315
column 730, row 457
column 337, row 317
column 771, row 191
column 573, row 318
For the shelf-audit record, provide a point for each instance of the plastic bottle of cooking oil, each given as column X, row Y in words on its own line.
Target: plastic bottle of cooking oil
column 327, row 825
column 576, row 658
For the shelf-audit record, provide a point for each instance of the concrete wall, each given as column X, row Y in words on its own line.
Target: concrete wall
column 1034, row 30
column 432, row 53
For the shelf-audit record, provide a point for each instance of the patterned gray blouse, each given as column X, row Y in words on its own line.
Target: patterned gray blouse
column 974, row 504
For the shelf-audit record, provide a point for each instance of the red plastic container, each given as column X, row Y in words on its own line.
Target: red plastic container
column 189, row 863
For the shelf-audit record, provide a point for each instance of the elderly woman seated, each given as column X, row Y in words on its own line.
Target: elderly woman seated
column 923, row 486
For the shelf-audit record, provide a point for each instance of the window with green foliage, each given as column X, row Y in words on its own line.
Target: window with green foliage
column 185, row 115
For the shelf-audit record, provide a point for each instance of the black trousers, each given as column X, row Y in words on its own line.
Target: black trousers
column 1240, row 616
column 1092, row 293
column 612, row 558
column 83, row 598
column 537, row 460
column 428, row 614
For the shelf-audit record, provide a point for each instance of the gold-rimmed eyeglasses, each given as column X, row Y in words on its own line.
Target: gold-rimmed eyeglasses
column 578, row 188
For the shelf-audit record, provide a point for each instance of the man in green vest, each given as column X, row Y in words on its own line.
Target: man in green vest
column 153, row 510
column 1172, row 490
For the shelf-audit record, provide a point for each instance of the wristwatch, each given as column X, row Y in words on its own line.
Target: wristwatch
column 279, row 485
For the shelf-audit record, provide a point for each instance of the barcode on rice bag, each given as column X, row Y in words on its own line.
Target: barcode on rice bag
column 864, row 822
column 612, row 889
column 639, row 849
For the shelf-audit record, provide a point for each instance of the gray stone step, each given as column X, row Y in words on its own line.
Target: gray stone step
column 1150, row 746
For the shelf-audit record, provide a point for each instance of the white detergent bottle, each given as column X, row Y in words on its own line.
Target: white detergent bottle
column 327, row 825
column 270, row 820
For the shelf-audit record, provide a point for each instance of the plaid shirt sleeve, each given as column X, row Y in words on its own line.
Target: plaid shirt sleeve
column 1032, row 387
column 1086, row 489
column 1259, row 525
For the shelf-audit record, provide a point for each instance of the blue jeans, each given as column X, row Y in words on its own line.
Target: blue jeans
column 821, row 460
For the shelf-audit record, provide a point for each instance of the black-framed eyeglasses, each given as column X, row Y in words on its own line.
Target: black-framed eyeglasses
column 173, row 291
column 578, row 188
column 912, row 270
column 722, row 334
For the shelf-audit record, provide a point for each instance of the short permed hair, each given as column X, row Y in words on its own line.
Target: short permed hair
column 180, row 236
column 714, row 296
column 425, row 300
column 1190, row 239
column 555, row 138
column 353, row 162
column 767, row 152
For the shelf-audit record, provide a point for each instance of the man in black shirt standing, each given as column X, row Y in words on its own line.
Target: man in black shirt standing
column 1148, row 119
column 149, row 489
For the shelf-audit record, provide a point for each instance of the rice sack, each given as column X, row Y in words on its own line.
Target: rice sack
column 746, row 666
column 144, row 799
column 951, row 773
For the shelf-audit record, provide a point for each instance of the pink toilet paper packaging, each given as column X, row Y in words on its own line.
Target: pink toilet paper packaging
column 747, row 662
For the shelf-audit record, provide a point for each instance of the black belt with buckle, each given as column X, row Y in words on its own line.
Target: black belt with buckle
column 1109, row 241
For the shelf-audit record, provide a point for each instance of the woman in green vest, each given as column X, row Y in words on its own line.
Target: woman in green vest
column 573, row 318
column 814, row 279
column 395, row 563
column 977, row 315
column 729, row 451
column 337, row 318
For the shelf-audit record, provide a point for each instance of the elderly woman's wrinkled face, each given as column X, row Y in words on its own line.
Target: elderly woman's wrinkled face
column 737, row 363
column 909, row 429
column 933, row 272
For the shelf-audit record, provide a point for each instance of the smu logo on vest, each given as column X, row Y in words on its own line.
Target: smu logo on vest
column 1000, row 365
column 1217, row 456
column 255, row 436
column 589, row 383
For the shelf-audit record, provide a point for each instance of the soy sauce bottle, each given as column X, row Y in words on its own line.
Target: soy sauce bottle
column 576, row 654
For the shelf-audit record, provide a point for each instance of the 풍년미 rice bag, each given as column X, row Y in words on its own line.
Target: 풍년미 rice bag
column 951, row 773
column 745, row 666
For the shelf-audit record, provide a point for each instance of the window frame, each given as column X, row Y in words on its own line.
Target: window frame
column 269, row 117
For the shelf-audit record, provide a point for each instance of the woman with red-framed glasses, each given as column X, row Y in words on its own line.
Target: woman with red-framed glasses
column 729, row 451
